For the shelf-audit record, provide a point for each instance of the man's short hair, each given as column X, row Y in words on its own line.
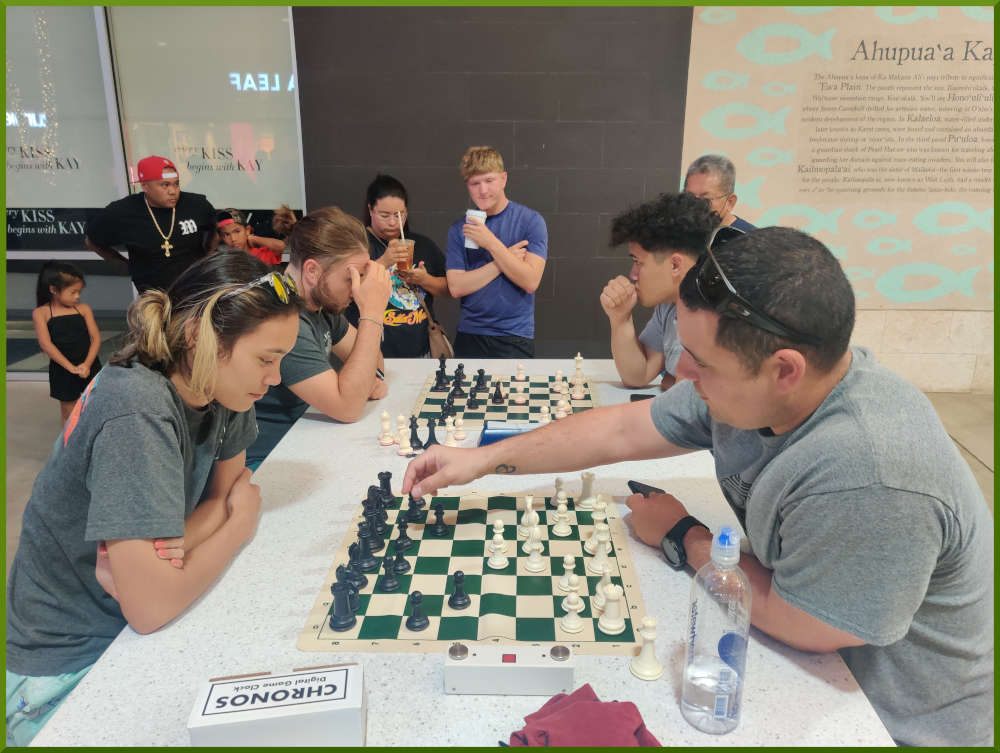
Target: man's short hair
column 326, row 235
column 714, row 164
column 671, row 222
column 480, row 159
column 792, row 277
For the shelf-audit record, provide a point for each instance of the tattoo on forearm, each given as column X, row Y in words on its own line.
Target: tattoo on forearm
column 505, row 468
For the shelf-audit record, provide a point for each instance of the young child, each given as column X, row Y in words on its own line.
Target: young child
column 145, row 498
column 67, row 332
column 234, row 233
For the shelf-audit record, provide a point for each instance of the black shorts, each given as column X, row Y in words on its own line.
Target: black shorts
column 493, row 346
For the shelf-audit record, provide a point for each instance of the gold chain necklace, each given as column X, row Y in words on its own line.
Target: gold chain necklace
column 166, row 245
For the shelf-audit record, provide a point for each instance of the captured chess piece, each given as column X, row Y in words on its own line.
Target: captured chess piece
column 440, row 528
column 459, row 599
column 415, row 442
column 403, row 438
column 587, row 499
column 385, row 437
column 645, row 665
column 417, row 620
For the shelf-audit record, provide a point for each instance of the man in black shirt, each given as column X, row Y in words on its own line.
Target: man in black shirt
column 163, row 228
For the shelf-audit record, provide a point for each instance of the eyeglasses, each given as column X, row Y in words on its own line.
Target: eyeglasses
column 714, row 198
column 387, row 216
column 282, row 285
column 716, row 290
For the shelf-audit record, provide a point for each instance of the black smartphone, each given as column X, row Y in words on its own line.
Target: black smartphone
column 637, row 398
column 645, row 490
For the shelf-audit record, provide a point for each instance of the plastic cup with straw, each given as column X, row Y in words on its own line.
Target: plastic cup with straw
column 407, row 263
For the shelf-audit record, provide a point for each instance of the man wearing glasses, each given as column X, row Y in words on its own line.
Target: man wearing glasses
column 665, row 238
column 868, row 533
column 713, row 177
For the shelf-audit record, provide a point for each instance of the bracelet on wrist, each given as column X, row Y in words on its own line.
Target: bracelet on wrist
column 369, row 319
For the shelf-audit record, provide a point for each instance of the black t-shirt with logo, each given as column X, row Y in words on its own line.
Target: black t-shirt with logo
column 126, row 222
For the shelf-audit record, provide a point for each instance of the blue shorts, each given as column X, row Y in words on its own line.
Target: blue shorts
column 31, row 701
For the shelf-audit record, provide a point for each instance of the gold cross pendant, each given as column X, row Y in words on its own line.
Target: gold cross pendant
column 166, row 247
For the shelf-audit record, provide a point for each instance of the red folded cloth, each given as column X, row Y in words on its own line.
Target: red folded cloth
column 580, row 719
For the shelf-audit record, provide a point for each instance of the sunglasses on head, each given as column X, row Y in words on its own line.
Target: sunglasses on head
column 282, row 285
column 716, row 290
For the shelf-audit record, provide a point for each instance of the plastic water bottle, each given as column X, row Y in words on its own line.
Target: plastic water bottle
column 718, row 625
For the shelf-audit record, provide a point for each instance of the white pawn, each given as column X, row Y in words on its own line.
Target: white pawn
column 385, row 437
column 497, row 560
column 546, row 414
column 558, row 378
column 577, row 393
column 459, row 428
column 528, row 518
column 449, row 436
column 572, row 605
column 564, row 388
column 599, row 516
column 569, row 564
column 598, row 599
column 498, row 529
column 562, row 409
column 530, row 544
column 400, row 426
column 403, row 438
column 611, row 621
column 517, row 395
column 558, row 485
column 573, row 596
column 520, row 373
column 534, row 563
column 586, row 501
column 646, row 666
column 562, row 527
column 600, row 558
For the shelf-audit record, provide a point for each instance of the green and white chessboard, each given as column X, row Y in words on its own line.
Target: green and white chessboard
column 509, row 606
column 538, row 391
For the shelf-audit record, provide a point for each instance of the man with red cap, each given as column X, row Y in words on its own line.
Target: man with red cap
column 163, row 228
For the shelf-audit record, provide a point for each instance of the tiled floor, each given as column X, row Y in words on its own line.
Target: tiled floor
column 33, row 425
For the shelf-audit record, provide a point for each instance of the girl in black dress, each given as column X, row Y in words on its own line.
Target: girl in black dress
column 66, row 331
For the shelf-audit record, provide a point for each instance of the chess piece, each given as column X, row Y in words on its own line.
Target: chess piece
column 439, row 528
column 459, row 599
column 535, row 563
column 403, row 438
column 366, row 561
column 460, row 374
column 400, row 425
column 424, row 501
column 473, row 402
column 456, row 389
column 611, row 621
column 600, row 557
column 352, row 592
column 573, row 592
column 572, row 605
column 587, row 499
column 563, row 409
column 358, row 579
column 459, row 428
column 577, row 392
column 497, row 560
column 557, row 381
column 417, row 620
column 520, row 377
column 342, row 618
column 646, row 666
column 413, row 509
column 449, row 435
column 545, row 415
column 415, row 442
column 385, row 486
column 497, row 398
column 519, row 397
column 599, row 516
column 388, row 582
column 385, row 437
column 569, row 564
column 562, row 527
column 481, row 383
column 403, row 542
column 557, row 485
column 528, row 518
column 498, row 528
column 400, row 564
column 442, row 360
column 598, row 599
column 431, row 439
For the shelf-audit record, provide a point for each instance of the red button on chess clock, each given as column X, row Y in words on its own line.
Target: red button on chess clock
column 509, row 658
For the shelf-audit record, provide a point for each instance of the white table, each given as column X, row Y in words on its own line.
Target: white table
column 142, row 689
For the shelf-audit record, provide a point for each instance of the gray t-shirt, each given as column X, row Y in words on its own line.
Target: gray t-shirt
column 872, row 522
column 280, row 407
column 132, row 465
column 660, row 334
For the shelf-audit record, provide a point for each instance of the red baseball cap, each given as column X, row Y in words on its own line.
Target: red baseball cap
column 155, row 168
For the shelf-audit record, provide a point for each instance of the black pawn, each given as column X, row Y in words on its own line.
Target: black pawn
column 415, row 442
column 389, row 582
column 403, row 542
column 459, row 599
column 431, row 439
column 417, row 619
column 456, row 389
column 497, row 398
column 413, row 510
column 472, row 403
column 375, row 541
column 342, row 618
column 366, row 561
column 481, row 383
column 357, row 577
column 440, row 528
column 344, row 577
column 400, row 565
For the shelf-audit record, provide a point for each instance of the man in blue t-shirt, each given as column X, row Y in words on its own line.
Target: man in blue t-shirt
column 713, row 177
column 495, row 282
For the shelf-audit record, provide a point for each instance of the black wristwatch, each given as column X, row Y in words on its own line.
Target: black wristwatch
column 673, row 543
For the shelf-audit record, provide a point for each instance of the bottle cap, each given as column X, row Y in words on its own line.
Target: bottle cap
column 726, row 546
